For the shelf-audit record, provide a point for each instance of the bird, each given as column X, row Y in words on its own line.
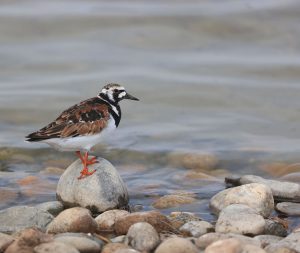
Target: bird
column 83, row 125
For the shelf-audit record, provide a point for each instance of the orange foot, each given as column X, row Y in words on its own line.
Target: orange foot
column 86, row 161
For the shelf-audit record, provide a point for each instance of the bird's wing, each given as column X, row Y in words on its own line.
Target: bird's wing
column 86, row 118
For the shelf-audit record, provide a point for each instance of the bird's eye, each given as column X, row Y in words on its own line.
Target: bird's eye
column 116, row 90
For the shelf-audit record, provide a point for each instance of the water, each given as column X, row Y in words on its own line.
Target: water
column 218, row 77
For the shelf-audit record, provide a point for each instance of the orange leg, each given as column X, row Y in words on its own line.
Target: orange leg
column 85, row 161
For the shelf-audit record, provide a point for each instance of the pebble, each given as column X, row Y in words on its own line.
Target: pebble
column 106, row 221
column 196, row 228
column 291, row 242
column 57, row 247
column 142, row 236
column 199, row 175
column 176, row 245
column 289, row 208
column 114, row 247
column 52, row 207
column 281, row 190
column 159, row 221
column 5, row 241
column 240, row 219
column 20, row 217
column 256, row 196
column 193, row 161
column 230, row 245
column 273, row 227
column 102, row 191
column 27, row 239
column 120, row 239
column 268, row 239
column 76, row 219
column 252, row 249
column 178, row 219
column 172, row 200
column 203, row 241
column 80, row 241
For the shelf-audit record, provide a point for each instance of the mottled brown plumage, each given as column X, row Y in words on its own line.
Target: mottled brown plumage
column 86, row 118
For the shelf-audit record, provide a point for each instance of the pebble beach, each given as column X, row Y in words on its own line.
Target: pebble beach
column 207, row 161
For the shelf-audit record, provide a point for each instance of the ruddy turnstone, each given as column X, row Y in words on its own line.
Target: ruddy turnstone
column 83, row 125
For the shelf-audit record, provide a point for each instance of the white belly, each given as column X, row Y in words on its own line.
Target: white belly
column 81, row 142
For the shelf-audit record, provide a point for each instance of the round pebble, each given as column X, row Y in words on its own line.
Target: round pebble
column 196, row 228
column 240, row 219
column 106, row 221
column 142, row 236
column 172, row 200
column 176, row 245
column 289, row 208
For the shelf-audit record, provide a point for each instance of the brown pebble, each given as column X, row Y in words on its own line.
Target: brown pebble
column 27, row 239
column 76, row 219
column 156, row 219
column 169, row 201
column 106, row 221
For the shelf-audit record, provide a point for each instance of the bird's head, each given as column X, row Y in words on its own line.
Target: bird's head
column 114, row 93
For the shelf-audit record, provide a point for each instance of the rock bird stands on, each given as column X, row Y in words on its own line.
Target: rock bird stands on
column 83, row 125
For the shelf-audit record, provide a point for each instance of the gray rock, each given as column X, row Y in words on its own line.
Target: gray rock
column 280, row 190
column 82, row 242
column 52, row 207
column 256, row 196
column 106, row 221
column 266, row 240
column 57, row 247
column 196, row 228
column 5, row 241
column 126, row 251
column 142, row 236
column 176, row 245
column 76, row 219
column 273, row 227
column 203, row 241
column 99, row 192
column 289, row 244
column 289, row 208
column 240, row 219
column 19, row 217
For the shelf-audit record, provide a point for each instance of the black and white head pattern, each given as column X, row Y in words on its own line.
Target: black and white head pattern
column 113, row 92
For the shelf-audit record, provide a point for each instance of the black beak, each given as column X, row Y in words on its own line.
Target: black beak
column 128, row 96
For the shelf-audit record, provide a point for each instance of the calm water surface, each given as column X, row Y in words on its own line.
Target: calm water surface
column 217, row 77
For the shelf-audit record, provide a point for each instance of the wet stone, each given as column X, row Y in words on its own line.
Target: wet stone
column 53, row 207
column 172, row 200
column 99, row 192
column 76, row 219
column 196, row 228
column 80, row 241
column 194, row 161
column 240, row 219
column 273, row 227
column 289, row 208
column 178, row 219
column 20, row 217
column 256, row 196
column 280, row 190
column 52, row 171
column 176, row 245
column 291, row 177
column 156, row 219
column 106, row 221
column 142, row 236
